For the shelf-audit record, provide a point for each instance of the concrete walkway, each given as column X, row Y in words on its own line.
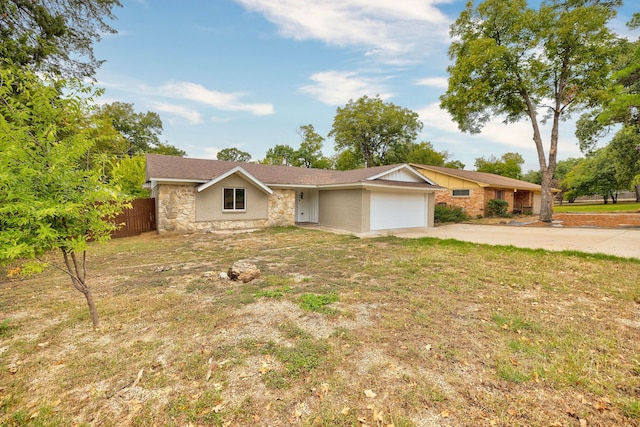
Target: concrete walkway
column 613, row 241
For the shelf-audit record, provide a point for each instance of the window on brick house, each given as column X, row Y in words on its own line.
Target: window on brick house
column 461, row 193
column 234, row 200
column 500, row 194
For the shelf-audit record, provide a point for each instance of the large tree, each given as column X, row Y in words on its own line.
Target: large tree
column 372, row 129
column 512, row 61
column 48, row 199
column 624, row 150
column 281, row 154
column 509, row 165
column 54, row 36
column 137, row 133
column 233, row 154
column 620, row 111
column 593, row 175
column 309, row 154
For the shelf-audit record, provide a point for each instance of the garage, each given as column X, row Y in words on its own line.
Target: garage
column 398, row 210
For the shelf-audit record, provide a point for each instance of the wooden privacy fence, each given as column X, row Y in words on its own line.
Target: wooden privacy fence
column 139, row 218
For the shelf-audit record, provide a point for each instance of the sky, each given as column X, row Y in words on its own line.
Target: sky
column 248, row 73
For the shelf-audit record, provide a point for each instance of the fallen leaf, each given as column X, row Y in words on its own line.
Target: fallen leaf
column 377, row 415
column 444, row 414
column 265, row 368
column 370, row 394
column 345, row 410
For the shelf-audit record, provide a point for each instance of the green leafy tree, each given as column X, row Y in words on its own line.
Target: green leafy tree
column 512, row 61
column 532, row 176
column 371, row 129
column 620, row 107
column 509, row 165
column 454, row 164
column 54, row 36
column 121, row 135
column 233, row 155
column 560, row 178
column 424, row 154
column 309, row 154
column 48, row 200
column 346, row 160
column 624, row 149
column 279, row 155
column 595, row 174
column 128, row 175
column 620, row 104
column 138, row 133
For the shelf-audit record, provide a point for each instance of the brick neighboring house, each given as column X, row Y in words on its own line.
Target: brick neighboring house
column 206, row 195
column 472, row 190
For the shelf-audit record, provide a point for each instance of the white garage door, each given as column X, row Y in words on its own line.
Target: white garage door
column 389, row 210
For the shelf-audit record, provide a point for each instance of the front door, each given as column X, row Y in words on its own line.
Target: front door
column 306, row 205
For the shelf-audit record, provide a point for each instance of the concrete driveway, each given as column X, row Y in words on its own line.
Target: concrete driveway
column 613, row 241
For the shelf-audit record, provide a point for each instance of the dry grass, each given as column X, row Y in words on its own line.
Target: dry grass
column 423, row 333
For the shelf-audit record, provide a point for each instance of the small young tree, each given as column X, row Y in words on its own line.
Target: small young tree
column 48, row 200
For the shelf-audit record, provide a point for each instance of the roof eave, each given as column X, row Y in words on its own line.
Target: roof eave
column 239, row 171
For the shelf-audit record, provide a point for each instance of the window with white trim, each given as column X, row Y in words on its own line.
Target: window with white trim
column 234, row 200
column 461, row 193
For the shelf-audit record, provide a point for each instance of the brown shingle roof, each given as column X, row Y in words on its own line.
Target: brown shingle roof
column 482, row 178
column 161, row 167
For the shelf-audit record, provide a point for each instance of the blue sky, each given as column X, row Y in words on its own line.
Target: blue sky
column 248, row 73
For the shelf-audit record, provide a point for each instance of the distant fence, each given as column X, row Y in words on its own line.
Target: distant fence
column 622, row 195
column 139, row 218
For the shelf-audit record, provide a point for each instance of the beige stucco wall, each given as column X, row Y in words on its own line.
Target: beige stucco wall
column 344, row 209
column 209, row 202
column 176, row 210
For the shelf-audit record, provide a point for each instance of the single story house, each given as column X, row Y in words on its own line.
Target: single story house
column 205, row 195
column 472, row 190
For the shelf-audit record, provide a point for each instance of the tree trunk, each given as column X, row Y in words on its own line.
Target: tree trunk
column 546, row 204
column 78, row 273
column 92, row 308
column 637, row 188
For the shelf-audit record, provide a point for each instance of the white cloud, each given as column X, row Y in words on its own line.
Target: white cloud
column 433, row 116
column 436, row 82
column 496, row 138
column 338, row 87
column 192, row 116
column 385, row 28
column 229, row 101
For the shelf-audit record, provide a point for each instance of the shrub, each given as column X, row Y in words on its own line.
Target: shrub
column 449, row 214
column 498, row 208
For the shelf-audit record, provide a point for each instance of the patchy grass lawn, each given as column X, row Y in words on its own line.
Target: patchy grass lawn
column 338, row 331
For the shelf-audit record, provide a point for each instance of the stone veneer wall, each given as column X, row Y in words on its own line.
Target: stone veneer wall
column 176, row 211
column 282, row 208
column 175, row 207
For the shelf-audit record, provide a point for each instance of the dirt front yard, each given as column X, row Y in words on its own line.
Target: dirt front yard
column 337, row 331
